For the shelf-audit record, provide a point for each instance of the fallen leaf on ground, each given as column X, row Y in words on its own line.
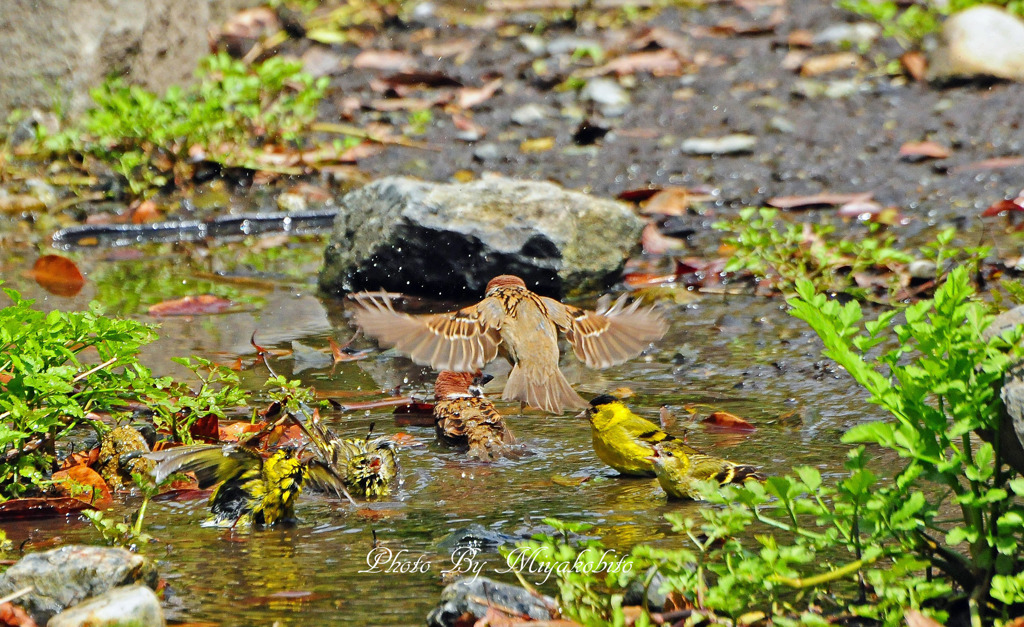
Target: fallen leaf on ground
column 234, row 431
column 671, row 201
column 387, row 60
column 41, row 507
column 728, row 421
column 540, row 144
column 81, row 458
column 206, row 429
column 996, row 163
column 813, row 200
column 190, row 306
column 58, row 275
column 662, row 62
column 915, row 64
column 826, row 63
column 85, row 484
column 470, row 97
column 800, row 38
column 418, row 77
column 145, row 212
column 1004, row 206
column 13, row 616
column 924, row 150
column 654, row 243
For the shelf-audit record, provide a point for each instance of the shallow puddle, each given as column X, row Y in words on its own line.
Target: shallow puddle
column 740, row 354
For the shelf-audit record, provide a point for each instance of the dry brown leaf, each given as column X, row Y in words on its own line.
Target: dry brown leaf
column 671, row 201
column 813, row 200
column 664, row 62
column 915, row 64
column 20, row 203
column 728, row 421
column 925, row 150
column 145, row 212
column 190, row 306
column 460, row 48
column 996, row 163
column 470, row 97
column 84, row 484
column 57, row 275
column 654, row 243
column 823, row 64
column 800, row 38
column 384, row 60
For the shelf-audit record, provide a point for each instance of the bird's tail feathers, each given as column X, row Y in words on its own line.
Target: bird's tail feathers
column 738, row 473
column 552, row 394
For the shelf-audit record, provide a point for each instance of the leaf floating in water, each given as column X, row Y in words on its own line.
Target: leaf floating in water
column 1007, row 206
column 190, row 306
column 728, row 421
column 41, row 507
column 58, row 275
column 569, row 482
column 415, row 415
column 84, row 484
column 206, row 429
column 798, row 202
column 668, row 419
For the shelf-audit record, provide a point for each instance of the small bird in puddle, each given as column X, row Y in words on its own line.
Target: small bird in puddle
column 252, row 490
column 464, row 417
column 368, row 467
column 635, row 446
column 678, row 471
column 523, row 327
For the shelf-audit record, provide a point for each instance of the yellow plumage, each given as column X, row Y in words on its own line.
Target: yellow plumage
column 635, row 446
column 252, row 490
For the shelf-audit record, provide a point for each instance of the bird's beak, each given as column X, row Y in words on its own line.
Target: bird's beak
column 486, row 378
column 583, row 414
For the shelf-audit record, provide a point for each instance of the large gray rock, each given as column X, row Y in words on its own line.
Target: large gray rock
column 1010, row 439
column 450, row 240
column 62, row 48
column 71, row 574
column 470, row 597
column 981, row 41
column 134, row 606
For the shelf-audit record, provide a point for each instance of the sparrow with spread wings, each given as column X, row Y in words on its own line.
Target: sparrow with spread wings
column 520, row 325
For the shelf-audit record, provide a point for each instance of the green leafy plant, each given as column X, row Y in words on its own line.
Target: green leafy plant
column 55, row 368
column 779, row 254
column 128, row 532
column 176, row 408
column 228, row 116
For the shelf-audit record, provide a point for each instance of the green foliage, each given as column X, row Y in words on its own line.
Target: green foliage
column 947, row 525
column 58, row 367
column 779, row 254
column 419, row 121
column 231, row 111
column 127, row 533
column 908, row 23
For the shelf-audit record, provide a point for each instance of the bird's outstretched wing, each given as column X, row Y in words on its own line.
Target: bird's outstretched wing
column 212, row 463
column 326, row 479
column 460, row 341
column 609, row 336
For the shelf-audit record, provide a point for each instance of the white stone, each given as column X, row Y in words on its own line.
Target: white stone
column 981, row 41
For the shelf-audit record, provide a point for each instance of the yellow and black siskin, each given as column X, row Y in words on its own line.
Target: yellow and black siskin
column 252, row 490
column 678, row 472
column 624, row 440
column 368, row 467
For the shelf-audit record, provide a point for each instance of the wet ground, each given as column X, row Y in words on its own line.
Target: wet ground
column 737, row 353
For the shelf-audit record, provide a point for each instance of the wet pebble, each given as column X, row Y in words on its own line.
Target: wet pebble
column 473, row 597
column 487, row 152
column 781, row 125
column 128, row 605
column 611, row 99
column 860, row 33
column 529, row 114
column 725, row 145
column 981, row 41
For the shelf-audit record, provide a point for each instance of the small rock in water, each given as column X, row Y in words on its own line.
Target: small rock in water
column 308, row 358
column 980, row 41
column 608, row 95
column 71, row 574
column 476, row 536
column 725, row 145
column 781, row 125
column 529, row 114
column 137, row 606
column 487, row 152
column 472, row 596
column 856, row 34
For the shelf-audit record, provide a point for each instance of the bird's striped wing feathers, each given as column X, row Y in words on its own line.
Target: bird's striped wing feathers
column 605, row 338
column 460, row 341
column 211, row 463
